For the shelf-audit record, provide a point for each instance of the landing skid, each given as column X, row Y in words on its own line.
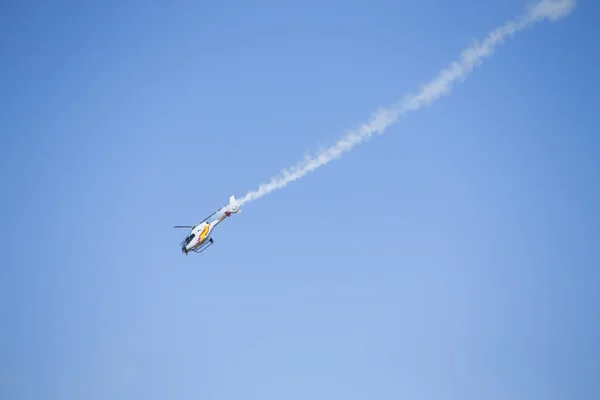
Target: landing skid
column 201, row 249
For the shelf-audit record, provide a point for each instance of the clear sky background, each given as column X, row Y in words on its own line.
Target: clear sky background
column 454, row 257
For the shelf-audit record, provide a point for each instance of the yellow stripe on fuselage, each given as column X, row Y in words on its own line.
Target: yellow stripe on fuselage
column 204, row 233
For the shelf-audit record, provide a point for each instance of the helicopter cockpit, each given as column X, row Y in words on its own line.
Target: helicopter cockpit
column 187, row 241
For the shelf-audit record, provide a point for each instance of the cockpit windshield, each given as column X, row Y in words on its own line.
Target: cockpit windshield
column 189, row 239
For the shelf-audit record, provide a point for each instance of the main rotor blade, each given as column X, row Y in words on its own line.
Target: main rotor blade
column 211, row 215
column 192, row 227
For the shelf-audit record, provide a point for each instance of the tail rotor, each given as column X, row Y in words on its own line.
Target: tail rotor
column 234, row 206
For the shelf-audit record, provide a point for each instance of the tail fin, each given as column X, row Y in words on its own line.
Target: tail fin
column 233, row 205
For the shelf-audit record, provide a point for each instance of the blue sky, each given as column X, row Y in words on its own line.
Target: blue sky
column 453, row 257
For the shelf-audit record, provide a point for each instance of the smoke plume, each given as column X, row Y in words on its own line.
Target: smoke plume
column 440, row 86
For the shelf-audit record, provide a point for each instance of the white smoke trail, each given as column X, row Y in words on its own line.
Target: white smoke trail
column 438, row 87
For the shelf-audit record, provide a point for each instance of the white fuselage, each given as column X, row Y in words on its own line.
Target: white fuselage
column 201, row 234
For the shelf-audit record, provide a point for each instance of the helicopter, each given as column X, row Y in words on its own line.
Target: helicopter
column 199, row 238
